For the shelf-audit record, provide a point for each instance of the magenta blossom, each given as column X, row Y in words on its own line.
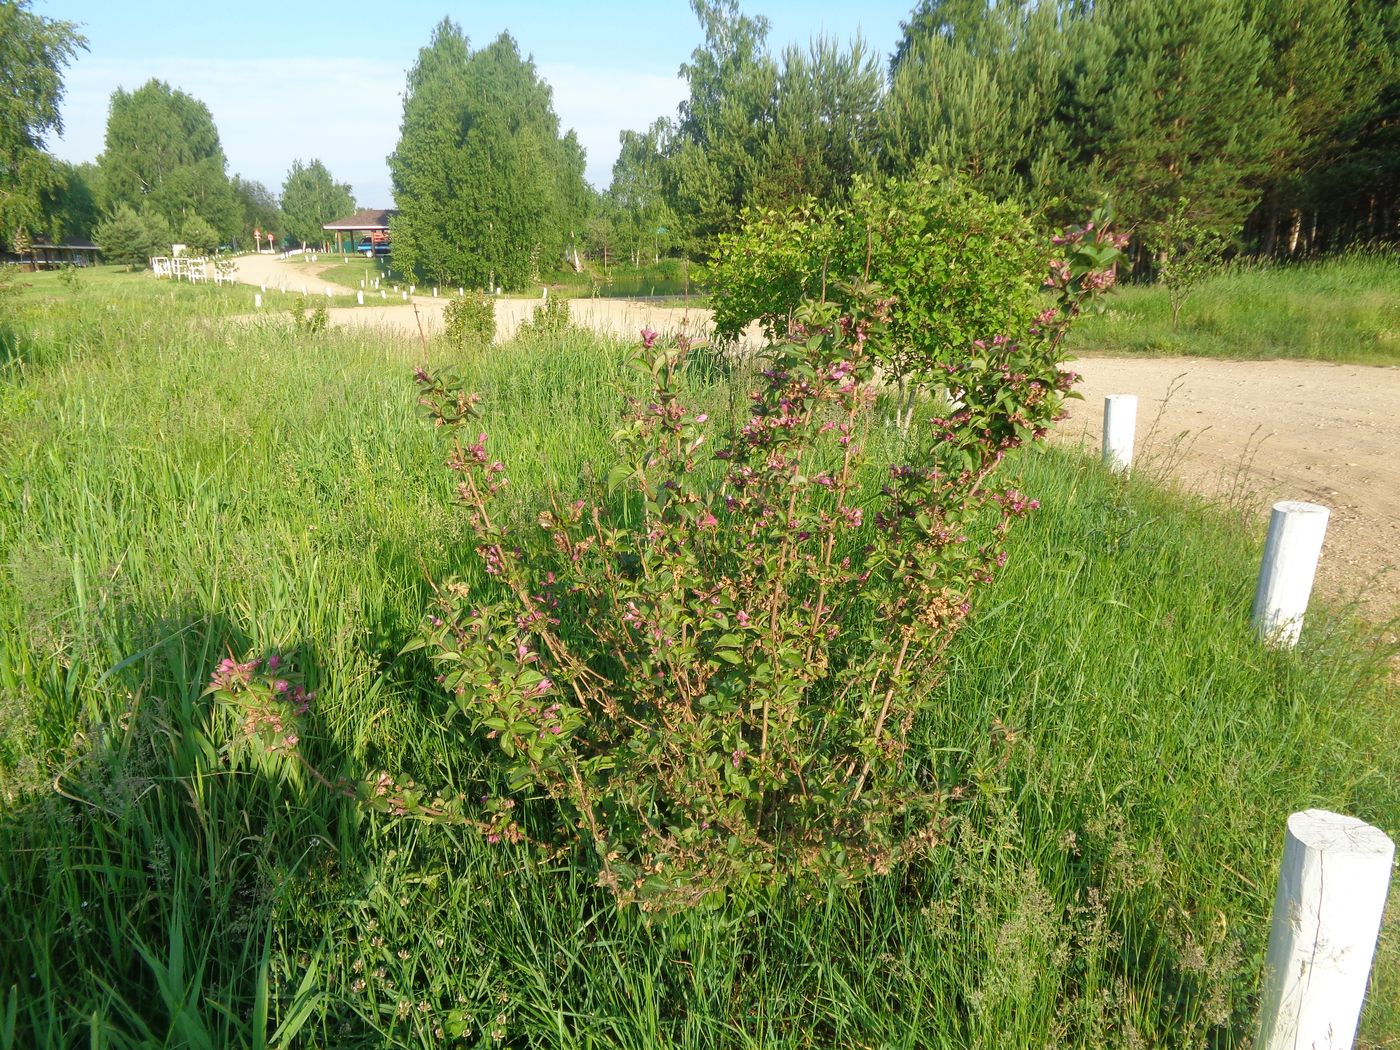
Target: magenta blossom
column 648, row 337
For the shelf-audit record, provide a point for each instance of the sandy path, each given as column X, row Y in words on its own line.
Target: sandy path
column 1253, row 432
column 1246, row 433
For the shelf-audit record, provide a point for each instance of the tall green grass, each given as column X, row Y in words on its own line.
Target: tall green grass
column 173, row 488
column 1345, row 309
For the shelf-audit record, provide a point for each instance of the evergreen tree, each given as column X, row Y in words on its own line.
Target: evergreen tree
column 1181, row 110
column 719, row 145
column 310, row 199
column 130, row 238
column 1335, row 65
column 981, row 89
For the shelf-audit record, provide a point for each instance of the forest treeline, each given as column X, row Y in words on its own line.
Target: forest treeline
column 1273, row 123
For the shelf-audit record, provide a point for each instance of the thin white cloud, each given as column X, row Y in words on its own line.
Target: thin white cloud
column 345, row 112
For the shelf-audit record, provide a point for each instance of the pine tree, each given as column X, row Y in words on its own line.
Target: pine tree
column 1181, row 109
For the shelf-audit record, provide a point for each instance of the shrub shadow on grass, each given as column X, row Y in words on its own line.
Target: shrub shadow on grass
column 144, row 884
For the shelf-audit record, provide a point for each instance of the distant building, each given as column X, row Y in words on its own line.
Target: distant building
column 42, row 255
column 367, row 231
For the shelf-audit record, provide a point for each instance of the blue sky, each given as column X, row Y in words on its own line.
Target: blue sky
column 294, row 80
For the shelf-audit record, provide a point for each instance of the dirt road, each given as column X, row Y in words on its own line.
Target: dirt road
column 1245, row 432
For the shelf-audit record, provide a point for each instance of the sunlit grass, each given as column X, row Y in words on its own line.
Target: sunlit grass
column 1341, row 309
column 174, row 487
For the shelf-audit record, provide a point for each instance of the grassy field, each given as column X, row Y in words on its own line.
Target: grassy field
column 1342, row 309
column 173, row 489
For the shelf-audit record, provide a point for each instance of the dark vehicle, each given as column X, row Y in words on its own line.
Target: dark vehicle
column 368, row 248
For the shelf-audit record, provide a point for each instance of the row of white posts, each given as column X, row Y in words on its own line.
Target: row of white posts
column 359, row 295
column 1335, row 874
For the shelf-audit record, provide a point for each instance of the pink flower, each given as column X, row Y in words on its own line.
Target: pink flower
column 648, row 337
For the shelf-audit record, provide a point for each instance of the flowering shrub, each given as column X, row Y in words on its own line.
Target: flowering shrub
column 714, row 666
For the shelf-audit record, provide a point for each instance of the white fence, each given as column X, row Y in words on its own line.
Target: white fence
column 182, row 268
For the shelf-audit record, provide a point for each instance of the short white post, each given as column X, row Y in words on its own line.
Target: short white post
column 303, row 289
column 544, row 292
column 383, row 294
column 434, row 291
column 362, row 284
column 1296, row 531
column 1119, row 428
column 499, row 289
column 412, row 288
column 328, row 292
column 263, row 288
column 1327, row 916
column 461, row 292
column 405, row 297
column 360, row 298
column 257, row 300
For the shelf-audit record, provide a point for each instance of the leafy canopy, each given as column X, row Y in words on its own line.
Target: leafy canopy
column 33, row 53
column 310, row 199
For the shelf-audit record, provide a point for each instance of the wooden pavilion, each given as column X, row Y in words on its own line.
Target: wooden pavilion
column 370, row 224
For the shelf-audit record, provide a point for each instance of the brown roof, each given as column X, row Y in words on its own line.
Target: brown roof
column 364, row 219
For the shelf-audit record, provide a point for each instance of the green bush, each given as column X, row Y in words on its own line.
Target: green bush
column 471, row 320
column 960, row 266
column 549, row 320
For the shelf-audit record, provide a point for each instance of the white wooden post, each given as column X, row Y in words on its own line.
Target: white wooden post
column 1119, row 428
column 1327, row 916
column 257, row 300
column 360, row 298
column 328, row 293
column 405, row 297
column 1296, row 531
column 434, row 291
column 411, row 288
column 461, row 293
column 263, row 288
column 383, row 294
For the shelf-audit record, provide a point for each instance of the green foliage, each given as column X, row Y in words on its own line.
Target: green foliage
column 983, row 90
column 756, row 132
column 131, row 239
column 482, row 176
column 260, row 210
column 549, row 320
column 1083, row 900
column 721, row 693
column 198, row 236
column 1343, row 309
column 313, row 323
column 959, row 266
column 1187, row 254
column 471, row 320
column 310, row 199
column 162, row 154
column 33, row 53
